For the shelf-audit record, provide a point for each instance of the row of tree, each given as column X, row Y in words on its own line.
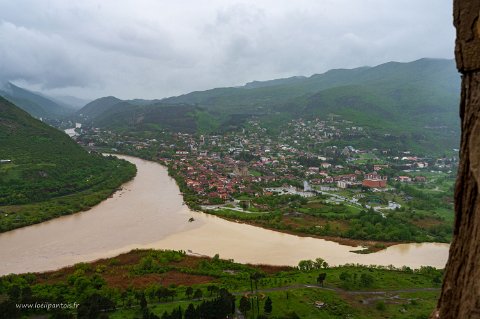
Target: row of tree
column 219, row 308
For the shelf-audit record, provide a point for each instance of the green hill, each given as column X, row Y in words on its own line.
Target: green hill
column 140, row 115
column 98, row 106
column 435, row 73
column 45, row 174
column 35, row 104
column 416, row 102
column 109, row 105
column 149, row 117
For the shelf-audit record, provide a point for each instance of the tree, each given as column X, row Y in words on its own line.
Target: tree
column 93, row 306
column 14, row 292
column 256, row 277
column 191, row 313
column 8, row 310
column 171, row 293
column 177, row 313
column 244, row 306
column 268, row 306
column 198, row 294
column 149, row 315
column 142, row 301
column 123, row 296
column 366, row 280
column 292, row 315
column 220, row 307
column 381, row 306
column 460, row 292
column 320, row 263
column 345, row 276
column 97, row 281
column 346, row 279
column 212, row 289
column 321, row 278
column 305, row 265
column 151, row 291
column 189, row 292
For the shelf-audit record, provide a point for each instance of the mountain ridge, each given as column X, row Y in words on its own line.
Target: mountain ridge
column 35, row 104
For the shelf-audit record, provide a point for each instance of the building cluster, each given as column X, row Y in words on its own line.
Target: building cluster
column 249, row 160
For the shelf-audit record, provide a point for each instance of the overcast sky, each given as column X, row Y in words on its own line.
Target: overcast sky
column 155, row 49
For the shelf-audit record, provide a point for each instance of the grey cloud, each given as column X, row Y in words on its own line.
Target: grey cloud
column 38, row 58
column 152, row 49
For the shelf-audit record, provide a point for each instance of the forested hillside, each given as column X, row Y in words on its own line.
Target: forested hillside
column 44, row 173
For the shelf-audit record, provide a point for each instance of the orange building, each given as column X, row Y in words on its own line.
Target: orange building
column 374, row 183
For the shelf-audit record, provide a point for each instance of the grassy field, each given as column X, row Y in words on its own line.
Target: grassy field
column 168, row 280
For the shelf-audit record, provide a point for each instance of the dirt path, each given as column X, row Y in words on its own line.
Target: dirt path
column 336, row 289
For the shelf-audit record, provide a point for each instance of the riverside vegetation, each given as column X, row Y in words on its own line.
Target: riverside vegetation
column 44, row 174
column 170, row 284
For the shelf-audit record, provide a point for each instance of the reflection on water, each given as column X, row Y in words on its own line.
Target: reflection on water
column 148, row 213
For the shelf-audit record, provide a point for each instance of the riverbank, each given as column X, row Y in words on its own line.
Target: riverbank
column 358, row 246
column 366, row 247
column 369, row 231
column 112, row 176
column 149, row 213
column 306, row 221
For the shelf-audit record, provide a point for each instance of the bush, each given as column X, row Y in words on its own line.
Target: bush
column 381, row 306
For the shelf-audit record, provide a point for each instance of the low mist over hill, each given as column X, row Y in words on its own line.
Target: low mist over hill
column 34, row 103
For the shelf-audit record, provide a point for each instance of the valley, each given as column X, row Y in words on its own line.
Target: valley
column 344, row 175
column 239, row 159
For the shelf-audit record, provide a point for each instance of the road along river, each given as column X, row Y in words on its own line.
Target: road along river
column 149, row 213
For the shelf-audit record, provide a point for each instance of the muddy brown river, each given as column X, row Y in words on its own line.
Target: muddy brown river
column 149, row 213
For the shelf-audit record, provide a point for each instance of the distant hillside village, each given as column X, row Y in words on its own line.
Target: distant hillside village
column 220, row 168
